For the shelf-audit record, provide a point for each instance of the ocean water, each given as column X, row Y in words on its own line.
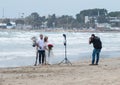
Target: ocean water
column 16, row 47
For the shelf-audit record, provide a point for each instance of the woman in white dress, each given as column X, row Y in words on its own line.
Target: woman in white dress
column 47, row 53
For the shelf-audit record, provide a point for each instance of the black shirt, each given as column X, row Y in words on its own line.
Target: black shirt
column 97, row 44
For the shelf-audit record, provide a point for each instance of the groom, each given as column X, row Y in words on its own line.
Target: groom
column 41, row 50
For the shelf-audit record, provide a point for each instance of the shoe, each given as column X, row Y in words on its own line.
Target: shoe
column 96, row 64
column 39, row 64
column 35, row 64
column 91, row 64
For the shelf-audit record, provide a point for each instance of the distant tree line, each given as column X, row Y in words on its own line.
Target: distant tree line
column 66, row 21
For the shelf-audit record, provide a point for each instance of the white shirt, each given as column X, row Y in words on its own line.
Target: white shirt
column 41, row 44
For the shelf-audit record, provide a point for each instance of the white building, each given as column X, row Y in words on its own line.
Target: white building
column 8, row 25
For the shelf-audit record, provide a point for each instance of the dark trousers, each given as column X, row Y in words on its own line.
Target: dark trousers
column 41, row 56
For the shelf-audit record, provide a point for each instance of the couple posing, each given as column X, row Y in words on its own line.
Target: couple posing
column 42, row 48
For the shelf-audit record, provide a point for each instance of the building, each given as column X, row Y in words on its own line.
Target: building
column 8, row 25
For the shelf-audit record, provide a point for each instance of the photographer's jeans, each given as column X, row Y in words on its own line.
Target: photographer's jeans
column 95, row 55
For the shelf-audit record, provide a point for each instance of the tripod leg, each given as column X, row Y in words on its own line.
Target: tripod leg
column 36, row 56
column 65, row 61
column 61, row 62
column 68, row 62
column 36, row 59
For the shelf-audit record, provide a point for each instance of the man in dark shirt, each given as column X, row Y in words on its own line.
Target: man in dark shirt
column 97, row 44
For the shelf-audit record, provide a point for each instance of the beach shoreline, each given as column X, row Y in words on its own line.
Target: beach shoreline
column 106, row 73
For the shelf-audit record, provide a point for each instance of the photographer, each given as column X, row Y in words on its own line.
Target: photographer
column 97, row 44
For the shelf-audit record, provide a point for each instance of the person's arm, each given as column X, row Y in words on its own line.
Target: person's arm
column 90, row 40
column 37, row 44
column 45, row 47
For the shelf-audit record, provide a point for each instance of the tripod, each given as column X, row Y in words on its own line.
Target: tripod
column 65, row 60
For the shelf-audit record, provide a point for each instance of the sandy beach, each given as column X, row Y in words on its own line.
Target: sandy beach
column 79, row 73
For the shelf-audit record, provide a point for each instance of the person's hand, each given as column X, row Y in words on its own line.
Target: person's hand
column 40, row 47
column 90, row 40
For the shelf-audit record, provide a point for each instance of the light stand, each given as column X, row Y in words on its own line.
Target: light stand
column 65, row 60
column 34, row 39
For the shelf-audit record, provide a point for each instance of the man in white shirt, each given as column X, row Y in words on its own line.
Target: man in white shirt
column 41, row 49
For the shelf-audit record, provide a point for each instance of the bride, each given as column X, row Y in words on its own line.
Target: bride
column 48, row 51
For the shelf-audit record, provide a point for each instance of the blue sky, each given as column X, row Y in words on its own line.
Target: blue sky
column 15, row 8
